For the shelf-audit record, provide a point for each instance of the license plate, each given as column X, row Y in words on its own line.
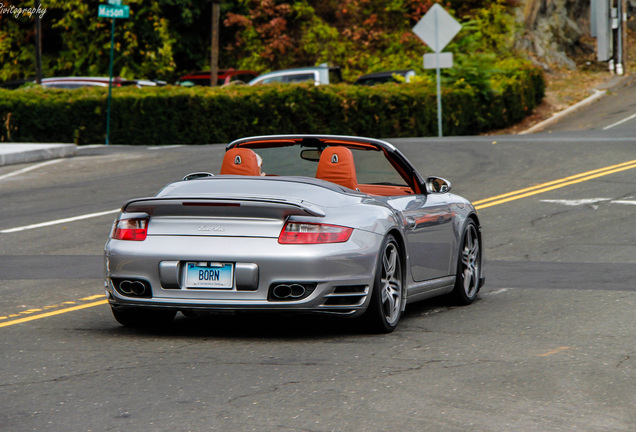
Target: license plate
column 209, row 275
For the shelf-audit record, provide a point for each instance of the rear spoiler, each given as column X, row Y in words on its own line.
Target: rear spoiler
column 222, row 207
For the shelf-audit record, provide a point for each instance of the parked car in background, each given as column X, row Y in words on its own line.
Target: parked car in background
column 385, row 77
column 77, row 82
column 14, row 84
column 150, row 83
column 319, row 75
column 224, row 77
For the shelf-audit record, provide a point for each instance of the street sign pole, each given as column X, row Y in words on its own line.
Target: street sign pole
column 114, row 9
column 110, row 79
column 436, row 29
column 439, row 79
column 214, row 56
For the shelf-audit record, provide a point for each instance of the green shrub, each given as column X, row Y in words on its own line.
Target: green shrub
column 201, row 115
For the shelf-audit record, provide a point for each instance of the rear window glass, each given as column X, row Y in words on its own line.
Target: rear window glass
column 372, row 167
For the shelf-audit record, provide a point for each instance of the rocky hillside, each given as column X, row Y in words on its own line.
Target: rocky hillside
column 556, row 32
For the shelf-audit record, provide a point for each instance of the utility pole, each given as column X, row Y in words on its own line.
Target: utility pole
column 608, row 20
column 624, row 32
column 38, row 44
column 214, row 58
column 620, row 40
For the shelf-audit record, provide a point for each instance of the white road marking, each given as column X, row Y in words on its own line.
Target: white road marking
column 620, row 122
column 165, row 147
column 31, row 168
column 92, row 146
column 628, row 202
column 496, row 292
column 589, row 201
column 59, row 221
column 577, row 202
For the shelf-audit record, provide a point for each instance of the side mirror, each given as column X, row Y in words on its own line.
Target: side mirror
column 438, row 185
column 197, row 175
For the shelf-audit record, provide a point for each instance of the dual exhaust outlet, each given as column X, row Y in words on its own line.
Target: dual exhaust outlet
column 288, row 292
column 135, row 288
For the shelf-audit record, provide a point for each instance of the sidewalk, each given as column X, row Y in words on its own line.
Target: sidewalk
column 30, row 152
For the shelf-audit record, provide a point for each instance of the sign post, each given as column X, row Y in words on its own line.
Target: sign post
column 214, row 56
column 436, row 29
column 114, row 9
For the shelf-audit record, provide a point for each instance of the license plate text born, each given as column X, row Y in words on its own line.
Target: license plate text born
column 209, row 275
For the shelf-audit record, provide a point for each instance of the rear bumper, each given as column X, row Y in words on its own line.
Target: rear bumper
column 338, row 277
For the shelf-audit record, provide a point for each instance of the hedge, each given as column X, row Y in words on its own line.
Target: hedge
column 200, row 115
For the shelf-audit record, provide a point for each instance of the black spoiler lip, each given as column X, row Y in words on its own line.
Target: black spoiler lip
column 308, row 208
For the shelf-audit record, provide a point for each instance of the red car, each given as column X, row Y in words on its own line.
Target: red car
column 225, row 76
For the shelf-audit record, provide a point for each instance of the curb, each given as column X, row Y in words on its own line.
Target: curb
column 558, row 116
column 11, row 154
column 597, row 93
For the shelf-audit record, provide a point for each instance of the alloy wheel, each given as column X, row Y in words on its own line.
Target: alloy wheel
column 470, row 262
column 391, row 284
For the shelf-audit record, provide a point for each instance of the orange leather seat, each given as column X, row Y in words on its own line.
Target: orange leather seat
column 336, row 166
column 240, row 161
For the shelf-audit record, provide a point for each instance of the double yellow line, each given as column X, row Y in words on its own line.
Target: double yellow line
column 555, row 184
column 26, row 316
column 481, row 204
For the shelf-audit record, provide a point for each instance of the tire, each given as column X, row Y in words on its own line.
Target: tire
column 142, row 317
column 467, row 281
column 387, row 298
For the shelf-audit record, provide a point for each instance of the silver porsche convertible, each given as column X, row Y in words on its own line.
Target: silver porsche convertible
column 323, row 224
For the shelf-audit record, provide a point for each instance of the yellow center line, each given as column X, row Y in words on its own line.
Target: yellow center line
column 481, row 204
column 554, row 351
column 552, row 185
column 53, row 313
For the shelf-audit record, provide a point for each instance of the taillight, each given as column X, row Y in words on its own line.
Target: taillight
column 311, row 233
column 130, row 229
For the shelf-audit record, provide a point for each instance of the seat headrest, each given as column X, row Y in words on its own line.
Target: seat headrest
column 241, row 161
column 336, row 166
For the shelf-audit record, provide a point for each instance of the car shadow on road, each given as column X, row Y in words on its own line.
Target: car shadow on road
column 251, row 325
column 277, row 326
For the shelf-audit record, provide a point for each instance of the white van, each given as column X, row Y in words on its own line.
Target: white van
column 318, row 74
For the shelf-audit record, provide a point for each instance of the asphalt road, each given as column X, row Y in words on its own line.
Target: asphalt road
column 549, row 346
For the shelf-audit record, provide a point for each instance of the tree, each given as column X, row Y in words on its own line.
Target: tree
column 163, row 39
column 77, row 42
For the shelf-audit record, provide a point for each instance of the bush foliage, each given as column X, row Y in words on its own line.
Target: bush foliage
column 200, row 115
column 163, row 39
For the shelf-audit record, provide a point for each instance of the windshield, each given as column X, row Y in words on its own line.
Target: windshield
column 371, row 166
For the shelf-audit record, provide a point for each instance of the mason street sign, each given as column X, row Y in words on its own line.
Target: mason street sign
column 113, row 11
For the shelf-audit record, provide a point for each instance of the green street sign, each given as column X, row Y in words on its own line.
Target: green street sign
column 113, row 11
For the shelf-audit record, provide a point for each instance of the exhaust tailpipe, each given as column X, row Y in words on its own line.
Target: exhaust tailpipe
column 288, row 292
column 132, row 287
